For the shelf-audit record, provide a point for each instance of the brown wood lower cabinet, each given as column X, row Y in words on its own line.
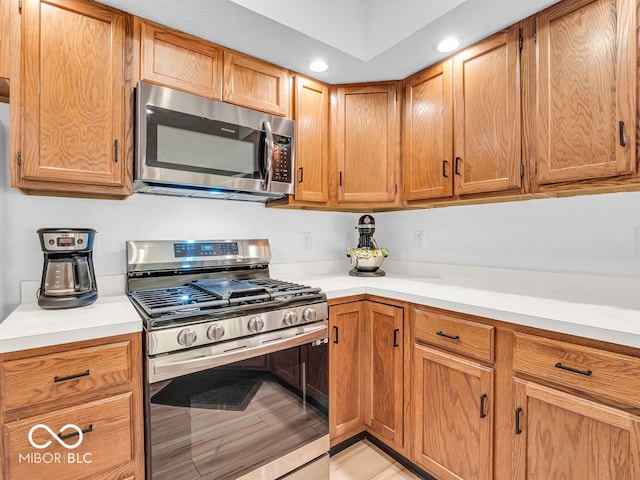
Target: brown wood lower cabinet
column 77, row 414
column 453, row 412
column 560, row 435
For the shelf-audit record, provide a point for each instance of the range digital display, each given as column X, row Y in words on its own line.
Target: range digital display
column 214, row 249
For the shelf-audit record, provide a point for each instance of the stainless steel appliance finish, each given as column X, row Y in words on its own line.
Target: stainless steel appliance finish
column 236, row 363
column 68, row 278
column 194, row 146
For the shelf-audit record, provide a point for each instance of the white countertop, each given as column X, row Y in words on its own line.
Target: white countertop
column 601, row 308
column 30, row 326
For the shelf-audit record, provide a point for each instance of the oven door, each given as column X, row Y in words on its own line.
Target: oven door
column 256, row 412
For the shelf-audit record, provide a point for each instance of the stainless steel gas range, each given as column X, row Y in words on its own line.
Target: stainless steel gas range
column 236, row 363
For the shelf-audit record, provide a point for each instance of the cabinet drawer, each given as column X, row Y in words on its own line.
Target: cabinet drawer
column 106, row 444
column 590, row 370
column 46, row 378
column 461, row 336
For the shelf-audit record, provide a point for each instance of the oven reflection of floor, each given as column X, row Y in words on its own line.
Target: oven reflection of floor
column 212, row 444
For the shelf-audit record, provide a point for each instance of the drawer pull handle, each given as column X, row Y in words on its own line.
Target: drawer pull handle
column 71, row 377
column 335, row 331
column 518, row 430
column 483, row 399
column 446, row 335
column 395, row 337
column 586, row 373
column 75, row 434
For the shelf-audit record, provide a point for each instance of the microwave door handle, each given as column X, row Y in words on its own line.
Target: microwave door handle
column 267, row 157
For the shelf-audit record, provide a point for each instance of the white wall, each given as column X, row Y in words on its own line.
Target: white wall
column 4, row 182
column 587, row 234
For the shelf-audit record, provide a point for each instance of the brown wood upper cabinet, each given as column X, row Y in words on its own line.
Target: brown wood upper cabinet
column 486, row 125
column 462, row 123
column 311, row 113
column 367, row 133
column 428, row 133
column 5, row 38
column 255, row 84
column 73, row 100
column 584, row 106
column 175, row 59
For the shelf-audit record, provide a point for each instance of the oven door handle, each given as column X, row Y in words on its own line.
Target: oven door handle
column 215, row 356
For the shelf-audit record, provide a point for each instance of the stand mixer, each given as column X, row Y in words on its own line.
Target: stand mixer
column 367, row 257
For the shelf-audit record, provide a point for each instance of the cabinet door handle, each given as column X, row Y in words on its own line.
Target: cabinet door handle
column 518, row 411
column 586, row 373
column 115, row 150
column 335, row 334
column 458, row 165
column 446, row 335
column 444, row 168
column 71, row 377
column 75, row 434
column 395, row 337
column 301, row 174
column 621, row 132
column 340, row 178
column 483, row 399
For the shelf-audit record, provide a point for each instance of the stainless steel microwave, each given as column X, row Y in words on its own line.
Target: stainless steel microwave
column 192, row 146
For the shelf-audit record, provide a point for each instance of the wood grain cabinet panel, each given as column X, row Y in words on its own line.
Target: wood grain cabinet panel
column 367, row 143
column 465, row 337
column 585, row 90
column 605, row 374
column 180, row 61
column 453, row 415
column 386, row 401
column 46, row 378
column 487, row 145
column 105, row 445
column 73, row 99
column 558, row 435
column 311, row 113
column 428, row 134
column 347, row 387
column 255, row 84
column 5, row 40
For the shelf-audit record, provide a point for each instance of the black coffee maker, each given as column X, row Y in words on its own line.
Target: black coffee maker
column 68, row 278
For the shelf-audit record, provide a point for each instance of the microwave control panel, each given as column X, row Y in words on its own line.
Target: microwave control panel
column 282, row 159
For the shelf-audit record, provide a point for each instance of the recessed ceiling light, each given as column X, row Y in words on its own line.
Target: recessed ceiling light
column 318, row 66
column 448, row 44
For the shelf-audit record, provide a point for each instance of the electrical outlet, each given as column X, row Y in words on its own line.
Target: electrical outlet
column 637, row 241
column 418, row 239
column 306, row 240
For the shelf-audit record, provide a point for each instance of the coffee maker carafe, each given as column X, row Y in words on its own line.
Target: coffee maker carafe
column 68, row 278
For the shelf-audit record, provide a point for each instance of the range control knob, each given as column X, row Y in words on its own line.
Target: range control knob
column 256, row 324
column 290, row 318
column 215, row 332
column 309, row 315
column 186, row 337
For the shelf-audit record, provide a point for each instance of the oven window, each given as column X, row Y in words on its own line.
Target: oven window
column 228, row 421
column 185, row 142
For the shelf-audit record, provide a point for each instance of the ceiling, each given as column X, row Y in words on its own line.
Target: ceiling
column 361, row 40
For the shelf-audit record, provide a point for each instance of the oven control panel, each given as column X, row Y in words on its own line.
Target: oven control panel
column 203, row 249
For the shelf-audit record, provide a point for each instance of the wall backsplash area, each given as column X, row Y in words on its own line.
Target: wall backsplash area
column 585, row 234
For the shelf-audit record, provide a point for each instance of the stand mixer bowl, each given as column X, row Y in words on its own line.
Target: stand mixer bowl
column 367, row 259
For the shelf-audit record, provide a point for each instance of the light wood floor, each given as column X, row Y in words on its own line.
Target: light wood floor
column 364, row 461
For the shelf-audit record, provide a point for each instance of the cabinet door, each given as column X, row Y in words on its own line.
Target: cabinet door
column 453, row 415
column 428, row 134
column 180, row 61
column 367, row 143
column 5, row 44
column 346, row 369
column 255, row 84
column 559, row 435
column 486, row 125
column 386, row 401
column 73, row 94
column 585, row 87
column 312, row 140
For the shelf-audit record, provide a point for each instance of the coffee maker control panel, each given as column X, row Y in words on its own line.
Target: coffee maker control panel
column 67, row 241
